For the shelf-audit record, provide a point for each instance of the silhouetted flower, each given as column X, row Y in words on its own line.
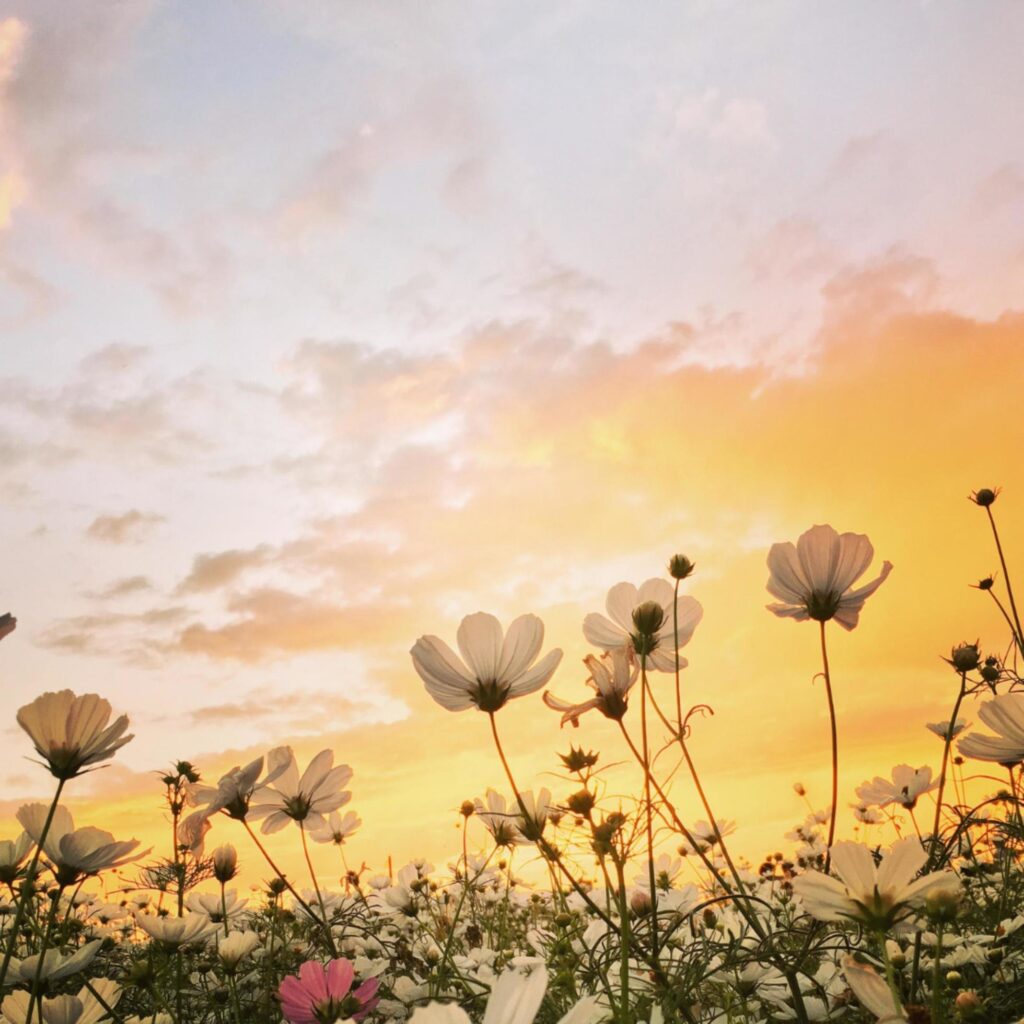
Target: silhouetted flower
column 814, row 577
column 493, row 669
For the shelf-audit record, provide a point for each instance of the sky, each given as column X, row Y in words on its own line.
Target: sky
column 326, row 324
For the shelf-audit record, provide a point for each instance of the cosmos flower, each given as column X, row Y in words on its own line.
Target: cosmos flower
column 211, row 904
column 70, row 732
column 814, row 577
column 12, row 856
column 337, row 829
column 83, row 1008
column 942, row 728
column 304, row 799
column 906, row 786
column 704, row 836
column 872, row 991
column 55, row 966
column 323, row 995
column 502, row 823
column 879, row 897
column 618, row 629
column 494, row 667
column 225, row 863
column 611, row 684
column 235, row 790
column 176, row 931
column 74, row 853
column 235, row 947
column 1004, row 716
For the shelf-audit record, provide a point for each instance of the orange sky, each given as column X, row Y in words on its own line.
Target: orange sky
column 457, row 313
column 897, row 418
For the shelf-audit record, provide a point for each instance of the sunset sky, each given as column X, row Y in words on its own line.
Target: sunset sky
column 326, row 324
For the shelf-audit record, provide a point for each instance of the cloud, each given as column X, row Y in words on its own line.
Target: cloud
column 125, row 587
column 131, row 527
column 210, row 572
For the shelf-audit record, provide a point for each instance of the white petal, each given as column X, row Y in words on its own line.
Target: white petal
column 522, row 644
column 479, row 640
column 621, row 600
column 603, row 633
column 533, row 680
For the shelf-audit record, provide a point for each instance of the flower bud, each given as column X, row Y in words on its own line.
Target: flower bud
column 467, row 809
column 679, row 567
column 985, row 497
column 578, row 760
column 990, row 673
column 968, row 1004
column 965, row 657
column 798, row 788
column 648, row 618
column 942, row 904
column 581, row 802
column 954, row 979
column 640, row 902
column 225, row 863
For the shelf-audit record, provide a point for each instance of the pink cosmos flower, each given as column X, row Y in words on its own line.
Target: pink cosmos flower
column 320, row 995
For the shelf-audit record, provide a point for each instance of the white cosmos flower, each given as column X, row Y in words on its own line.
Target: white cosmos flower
column 76, row 853
column 705, row 836
column 337, row 828
column 880, row 897
column 71, row 732
column 304, row 799
column 494, row 667
column 55, row 966
column 235, row 790
column 611, row 684
column 942, row 728
column 872, row 991
column 514, row 999
column 501, row 821
column 12, row 856
column 232, row 949
column 177, row 931
column 84, row 1008
column 814, row 577
column 906, row 786
column 210, row 904
column 617, row 629
column 1004, row 716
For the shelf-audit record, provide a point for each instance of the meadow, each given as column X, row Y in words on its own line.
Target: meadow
column 646, row 914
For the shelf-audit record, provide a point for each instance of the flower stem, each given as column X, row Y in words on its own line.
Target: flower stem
column 835, row 748
column 29, row 883
column 945, row 765
column 291, row 888
column 649, row 805
column 1006, row 574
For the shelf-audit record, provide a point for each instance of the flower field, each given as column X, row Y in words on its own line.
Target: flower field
column 647, row 913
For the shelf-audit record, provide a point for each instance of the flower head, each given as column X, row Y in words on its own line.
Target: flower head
column 176, row 932
column 337, row 828
column 814, row 577
column 642, row 619
column 70, row 732
column 499, row 819
column 324, row 995
column 74, row 853
column 494, row 667
column 83, row 1008
column 878, row 896
column 942, row 730
column 906, row 786
column 304, row 799
column 1004, row 716
column 611, row 683
column 235, row 790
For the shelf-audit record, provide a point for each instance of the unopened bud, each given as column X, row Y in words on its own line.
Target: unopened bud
column 679, row 567
column 467, row 809
column 985, row 497
column 581, row 802
column 942, row 905
column 225, row 863
column 648, row 618
column 965, row 657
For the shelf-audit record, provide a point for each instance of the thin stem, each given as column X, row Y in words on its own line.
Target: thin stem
column 950, row 729
column 1006, row 572
column 288, row 885
column 650, row 805
column 29, row 883
column 316, row 884
column 835, row 748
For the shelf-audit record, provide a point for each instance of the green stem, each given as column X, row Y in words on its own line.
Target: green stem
column 29, row 884
column 835, row 748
